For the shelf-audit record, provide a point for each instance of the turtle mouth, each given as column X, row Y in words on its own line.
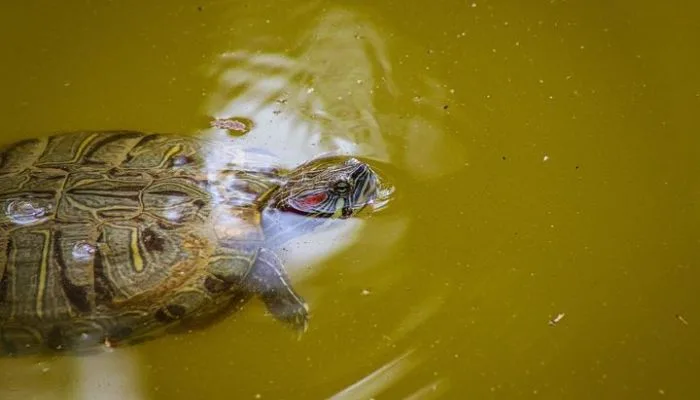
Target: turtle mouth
column 383, row 190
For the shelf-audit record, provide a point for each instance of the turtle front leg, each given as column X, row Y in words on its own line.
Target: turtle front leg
column 269, row 280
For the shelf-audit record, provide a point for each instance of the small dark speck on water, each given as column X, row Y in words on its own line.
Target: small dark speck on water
column 199, row 8
column 445, row 107
column 503, row 158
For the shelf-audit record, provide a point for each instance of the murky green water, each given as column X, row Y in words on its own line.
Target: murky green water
column 544, row 241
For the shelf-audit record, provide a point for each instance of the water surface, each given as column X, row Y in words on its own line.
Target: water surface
column 544, row 239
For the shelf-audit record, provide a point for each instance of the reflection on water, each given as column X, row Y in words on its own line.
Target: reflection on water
column 318, row 102
column 110, row 374
column 324, row 99
column 24, row 212
column 388, row 375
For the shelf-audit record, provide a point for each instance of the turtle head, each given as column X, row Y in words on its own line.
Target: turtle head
column 319, row 192
column 329, row 187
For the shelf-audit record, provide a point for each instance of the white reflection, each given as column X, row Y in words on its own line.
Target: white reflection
column 433, row 390
column 83, row 252
column 112, row 375
column 320, row 102
column 378, row 380
column 327, row 99
column 101, row 376
column 26, row 212
column 388, row 375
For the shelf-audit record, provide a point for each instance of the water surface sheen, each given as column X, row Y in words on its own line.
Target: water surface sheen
column 543, row 241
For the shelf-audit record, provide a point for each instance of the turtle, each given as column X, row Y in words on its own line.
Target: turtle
column 110, row 238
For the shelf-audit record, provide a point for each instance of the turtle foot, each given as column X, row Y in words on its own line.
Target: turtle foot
column 269, row 280
column 291, row 311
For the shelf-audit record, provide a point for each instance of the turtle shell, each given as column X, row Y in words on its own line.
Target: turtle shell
column 107, row 237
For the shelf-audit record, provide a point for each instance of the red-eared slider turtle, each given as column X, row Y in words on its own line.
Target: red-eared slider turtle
column 116, row 237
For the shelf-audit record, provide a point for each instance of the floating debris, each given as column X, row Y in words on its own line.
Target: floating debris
column 554, row 321
column 683, row 320
column 235, row 126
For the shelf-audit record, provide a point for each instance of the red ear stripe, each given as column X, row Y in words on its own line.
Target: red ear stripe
column 312, row 199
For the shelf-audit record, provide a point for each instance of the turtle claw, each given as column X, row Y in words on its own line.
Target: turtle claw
column 288, row 308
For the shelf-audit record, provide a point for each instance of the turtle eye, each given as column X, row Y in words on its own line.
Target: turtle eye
column 341, row 187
